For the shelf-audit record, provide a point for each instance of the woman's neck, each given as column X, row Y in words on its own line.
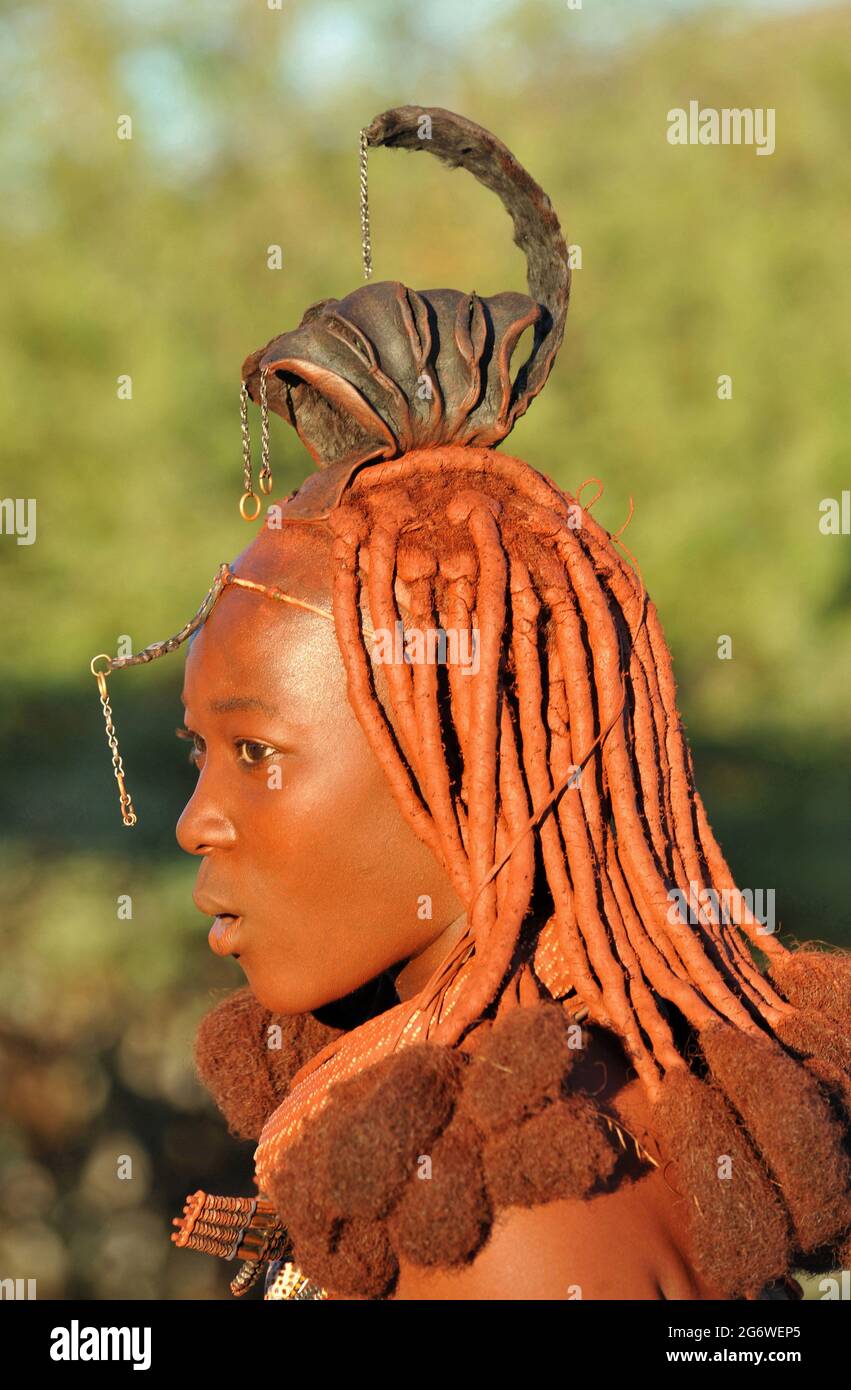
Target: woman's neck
column 413, row 974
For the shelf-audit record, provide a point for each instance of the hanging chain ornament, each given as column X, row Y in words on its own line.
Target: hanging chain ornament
column 223, row 578
column 265, row 466
column 366, row 244
column 128, row 815
column 249, row 497
column 249, row 503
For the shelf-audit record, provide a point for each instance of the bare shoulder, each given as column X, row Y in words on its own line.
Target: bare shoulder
column 625, row 1242
column 616, row 1245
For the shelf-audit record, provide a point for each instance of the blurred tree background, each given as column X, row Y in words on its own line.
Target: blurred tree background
column 148, row 257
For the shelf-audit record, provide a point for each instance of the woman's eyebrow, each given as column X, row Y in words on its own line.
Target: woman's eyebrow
column 240, row 702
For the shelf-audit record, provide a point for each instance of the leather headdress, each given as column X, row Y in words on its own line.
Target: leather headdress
column 388, row 369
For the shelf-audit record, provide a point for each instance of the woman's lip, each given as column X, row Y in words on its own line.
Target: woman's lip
column 224, row 935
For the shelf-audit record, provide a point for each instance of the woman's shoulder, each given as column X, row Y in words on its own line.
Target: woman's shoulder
column 621, row 1240
column 613, row 1245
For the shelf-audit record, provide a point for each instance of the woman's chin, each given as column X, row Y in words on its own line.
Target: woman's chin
column 286, row 1002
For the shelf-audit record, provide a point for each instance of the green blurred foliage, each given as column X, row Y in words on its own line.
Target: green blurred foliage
column 148, row 257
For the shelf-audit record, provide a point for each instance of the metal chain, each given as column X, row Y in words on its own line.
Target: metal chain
column 249, row 496
column 246, row 437
column 265, row 466
column 128, row 815
column 366, row 244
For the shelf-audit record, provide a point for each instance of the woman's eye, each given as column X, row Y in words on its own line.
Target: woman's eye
column 251, row 752
column 197, row 749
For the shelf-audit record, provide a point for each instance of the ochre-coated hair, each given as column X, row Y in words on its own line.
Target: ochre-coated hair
column 575, row 673
column 567, row 880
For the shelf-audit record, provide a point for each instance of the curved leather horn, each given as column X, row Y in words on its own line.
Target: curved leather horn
column 458, row 141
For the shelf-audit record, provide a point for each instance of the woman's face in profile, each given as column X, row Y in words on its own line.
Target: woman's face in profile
column 315, row 880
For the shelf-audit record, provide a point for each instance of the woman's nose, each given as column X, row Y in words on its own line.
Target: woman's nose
column 204, row 824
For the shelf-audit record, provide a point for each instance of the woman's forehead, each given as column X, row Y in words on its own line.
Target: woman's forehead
column 252, row 649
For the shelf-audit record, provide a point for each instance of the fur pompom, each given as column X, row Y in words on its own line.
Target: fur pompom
column 245, row 1057
column 299, row 1189
column 444, row 1217
column 816, row 980
column 738, row 1229
column 354, row 1158
column 833, row 1080
column 519, row 1067
column 561, row 1152
column 381, row 1130
column 792, row 1125
column 813, row 1036
column 355, row 1259
column 334, row 1187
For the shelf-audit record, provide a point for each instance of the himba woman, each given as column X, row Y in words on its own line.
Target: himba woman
column 446, row 821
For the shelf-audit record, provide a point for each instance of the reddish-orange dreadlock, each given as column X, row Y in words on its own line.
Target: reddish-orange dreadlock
column 552, row 602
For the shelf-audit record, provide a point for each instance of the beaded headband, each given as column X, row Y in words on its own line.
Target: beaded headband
column 389, row 369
